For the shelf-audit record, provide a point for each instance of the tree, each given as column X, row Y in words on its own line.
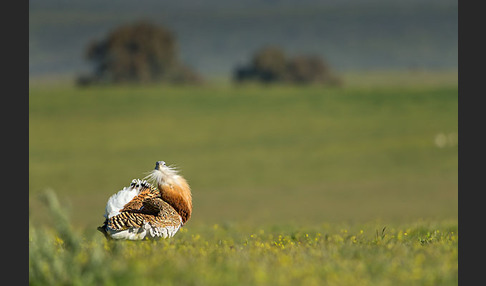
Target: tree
column 270, row 64
column 141, row 52
column 310, row 69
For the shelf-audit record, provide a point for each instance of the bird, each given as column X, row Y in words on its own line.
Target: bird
column 152, row 208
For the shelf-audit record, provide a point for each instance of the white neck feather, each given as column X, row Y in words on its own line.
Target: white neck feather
column 163, row 176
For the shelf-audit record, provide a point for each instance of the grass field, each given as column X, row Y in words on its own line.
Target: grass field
column 416, row 253
column 290, row 184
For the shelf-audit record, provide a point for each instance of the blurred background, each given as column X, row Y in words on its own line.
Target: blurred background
column 294, row 112
column 215, row 35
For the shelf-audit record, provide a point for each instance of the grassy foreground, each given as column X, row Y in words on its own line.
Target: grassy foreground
column 416, row 253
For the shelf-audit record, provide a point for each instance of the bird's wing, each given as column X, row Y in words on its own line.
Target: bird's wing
column 154, row 211
column 153, row 205
column 136, row 204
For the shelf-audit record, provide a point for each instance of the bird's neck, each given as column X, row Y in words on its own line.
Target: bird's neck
column 179, row 197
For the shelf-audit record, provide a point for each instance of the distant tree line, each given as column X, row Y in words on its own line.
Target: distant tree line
column 143, row 52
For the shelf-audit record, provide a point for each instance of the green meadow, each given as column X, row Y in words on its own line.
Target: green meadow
column 415, row 253
column 355, row 185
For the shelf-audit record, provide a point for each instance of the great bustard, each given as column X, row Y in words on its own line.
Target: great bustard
column 149, row 209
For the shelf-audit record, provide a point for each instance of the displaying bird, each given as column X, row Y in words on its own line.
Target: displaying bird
column 149, row 210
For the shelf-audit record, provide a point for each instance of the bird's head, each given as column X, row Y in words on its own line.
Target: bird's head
column 160, row 164
column 162, row 174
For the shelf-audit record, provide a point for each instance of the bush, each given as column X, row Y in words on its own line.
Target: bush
column 140, row 52
column 270, row 64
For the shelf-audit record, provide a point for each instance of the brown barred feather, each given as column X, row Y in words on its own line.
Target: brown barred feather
column 165, row 216
column 137, row 202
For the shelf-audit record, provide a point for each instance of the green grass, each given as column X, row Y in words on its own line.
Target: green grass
column 253, row 154
column 291, row 185
column 415, row 253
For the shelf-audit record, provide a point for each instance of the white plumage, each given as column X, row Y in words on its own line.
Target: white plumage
column 117, row 201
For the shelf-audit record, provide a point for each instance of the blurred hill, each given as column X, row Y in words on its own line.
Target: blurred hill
column 217, row 35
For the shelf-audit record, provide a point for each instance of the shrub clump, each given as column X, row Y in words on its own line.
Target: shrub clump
column 139, row 53
column 270, row 64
